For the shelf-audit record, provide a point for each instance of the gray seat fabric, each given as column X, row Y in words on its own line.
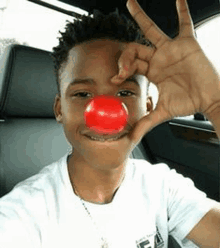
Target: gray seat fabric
column 30, row 137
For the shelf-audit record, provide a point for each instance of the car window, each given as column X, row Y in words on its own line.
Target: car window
column 24, row 22
column 208, row 36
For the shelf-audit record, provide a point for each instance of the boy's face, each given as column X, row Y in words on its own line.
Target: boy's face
column 97, row 60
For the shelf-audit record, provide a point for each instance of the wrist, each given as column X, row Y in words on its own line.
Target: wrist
column 213, row 115
column 213, row 111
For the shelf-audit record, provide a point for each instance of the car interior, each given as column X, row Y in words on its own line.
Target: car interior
column 31, row 138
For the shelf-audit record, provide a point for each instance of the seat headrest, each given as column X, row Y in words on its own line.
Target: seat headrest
column 27, row 83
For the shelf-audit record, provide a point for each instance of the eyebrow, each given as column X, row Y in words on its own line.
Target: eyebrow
column 90, row 81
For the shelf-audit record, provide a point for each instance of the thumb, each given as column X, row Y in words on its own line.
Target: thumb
column 147, row 123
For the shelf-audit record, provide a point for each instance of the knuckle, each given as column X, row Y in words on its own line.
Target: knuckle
column 141, row 66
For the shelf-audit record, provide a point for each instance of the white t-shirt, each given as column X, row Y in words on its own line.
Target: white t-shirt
column 152, row 202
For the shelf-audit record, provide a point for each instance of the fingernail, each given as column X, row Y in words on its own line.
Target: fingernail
column 126, row 67
column 122, row 73
column 115, row 78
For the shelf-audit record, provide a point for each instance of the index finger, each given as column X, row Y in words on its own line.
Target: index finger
column 149, row 28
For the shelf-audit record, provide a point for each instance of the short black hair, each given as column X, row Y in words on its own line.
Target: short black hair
column 113, row 26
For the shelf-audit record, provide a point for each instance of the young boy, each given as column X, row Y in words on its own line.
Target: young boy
column 97, row 196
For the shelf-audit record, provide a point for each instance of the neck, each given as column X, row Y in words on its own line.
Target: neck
column 101, row 185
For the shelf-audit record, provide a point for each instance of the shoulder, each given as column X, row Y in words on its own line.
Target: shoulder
column 32, row 189
column 143, row 166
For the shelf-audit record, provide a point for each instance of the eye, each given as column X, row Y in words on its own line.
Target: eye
column 131, row 93
column 81, row 93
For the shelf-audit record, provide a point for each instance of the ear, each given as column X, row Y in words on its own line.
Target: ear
column 57, row 108
column 149, row 104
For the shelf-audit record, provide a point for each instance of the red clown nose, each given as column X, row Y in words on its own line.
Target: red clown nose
column 106, row 114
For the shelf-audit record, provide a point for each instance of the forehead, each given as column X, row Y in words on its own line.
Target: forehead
column 92, row 46
column 107, row 50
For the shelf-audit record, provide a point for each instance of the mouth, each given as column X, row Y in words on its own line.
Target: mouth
column 106, row 139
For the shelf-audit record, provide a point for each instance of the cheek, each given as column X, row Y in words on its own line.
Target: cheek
column 75, row 108
column 135, row 109
column 72, row 116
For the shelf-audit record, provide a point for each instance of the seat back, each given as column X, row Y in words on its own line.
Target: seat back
column 30, row 137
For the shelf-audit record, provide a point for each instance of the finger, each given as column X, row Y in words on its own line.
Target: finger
column 138, row 67
column 186, row 27
column 134, row 51
column 147, row 123
column 149, row 28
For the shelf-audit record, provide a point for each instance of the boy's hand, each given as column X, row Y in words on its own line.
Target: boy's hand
column 186, row 80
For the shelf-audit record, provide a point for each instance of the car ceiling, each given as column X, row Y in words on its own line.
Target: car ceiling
column 162, row 12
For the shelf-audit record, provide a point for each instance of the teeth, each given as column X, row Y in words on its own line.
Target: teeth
column 102, row 140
